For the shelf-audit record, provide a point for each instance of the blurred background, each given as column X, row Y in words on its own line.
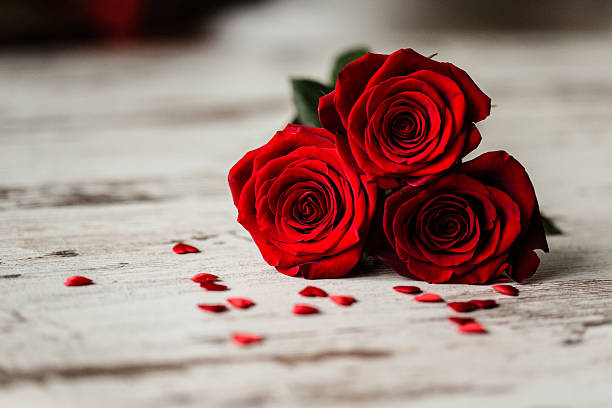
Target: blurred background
column 64, row 21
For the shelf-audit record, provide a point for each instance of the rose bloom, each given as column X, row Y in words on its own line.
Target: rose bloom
column 402, row 118
column 472, row 225
column 308, row 212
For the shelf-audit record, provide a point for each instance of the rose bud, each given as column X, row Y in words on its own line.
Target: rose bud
column 472, row 225
column 306, row 210
column 403, row 118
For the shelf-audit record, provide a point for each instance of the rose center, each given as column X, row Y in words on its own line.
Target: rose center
column 406, row 129
column 448, row 222
column 309, row 209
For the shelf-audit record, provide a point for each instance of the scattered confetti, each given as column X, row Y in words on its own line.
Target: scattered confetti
column 460, row 320
column 213, row 308
column 204, row 277
column 484, row 304
column 313, row 291
column 471, row 327
column 428, row 297
column 463, row 307
column 212, row 286
column 78, row 281
column 240, row 303
column 304, row 309
column 506, row 290
column 342, row 300
column 181, row 248
column 407, row 289
column 245, row 339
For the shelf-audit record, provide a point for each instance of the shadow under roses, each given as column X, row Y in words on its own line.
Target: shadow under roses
column 566, row 262
column 371, row 267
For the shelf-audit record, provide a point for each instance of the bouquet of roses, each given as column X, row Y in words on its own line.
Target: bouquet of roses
column 379, row 169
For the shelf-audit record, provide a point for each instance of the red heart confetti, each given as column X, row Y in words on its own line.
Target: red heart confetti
column 428, row 297
column 407, row 289
column 460, row 320
column 462, row 306
column 78, row 281
column 506, row 290
column 313, row 291
column 204, row 277
column 245, row 339
column 181, row 248
column 342, row 300
column 240, row 303
column 213, row 308
column 471, row 327
column 212, row 286
column 484, row 304
column 304, row 309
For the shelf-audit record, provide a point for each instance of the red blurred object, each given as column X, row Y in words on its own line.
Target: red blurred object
column 115, row 17
column 61, row 21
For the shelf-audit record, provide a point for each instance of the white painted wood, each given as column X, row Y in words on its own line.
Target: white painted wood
column 109, row 156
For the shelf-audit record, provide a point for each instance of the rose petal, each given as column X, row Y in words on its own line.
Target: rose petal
column 506, row 289
column 78, row 281
column 190, row 249
column 342, row 300
column 471, row 327
column 484, row 304
column 428, row 297
column 181, row 248
column 407, row 289
column 212, row 286
column 245, row 339
column 204, row 277
column 240, row 303
column 462, row 306
column 212, row 308
column 304, row 309
column 313, row 291
column 460, row 320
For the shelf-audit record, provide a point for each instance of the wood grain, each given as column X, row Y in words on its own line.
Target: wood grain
column 110, row 156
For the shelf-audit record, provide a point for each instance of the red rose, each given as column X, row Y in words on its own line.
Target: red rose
column 306, row 210
column 402, row 118
column 470, row 226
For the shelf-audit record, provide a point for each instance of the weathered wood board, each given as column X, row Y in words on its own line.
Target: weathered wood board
column 109, row 156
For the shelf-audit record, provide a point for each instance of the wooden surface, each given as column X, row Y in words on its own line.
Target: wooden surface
column 108, row 156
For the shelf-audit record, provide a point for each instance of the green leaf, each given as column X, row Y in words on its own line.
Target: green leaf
column 549, row 226
column 344, row 58
column 306, row 94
